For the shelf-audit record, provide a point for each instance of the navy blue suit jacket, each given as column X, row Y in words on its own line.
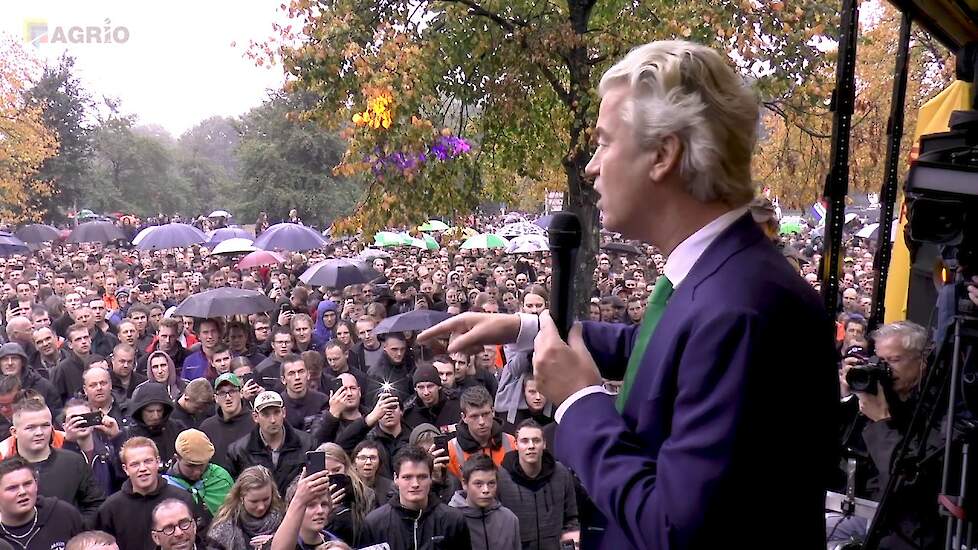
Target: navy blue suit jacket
column 729, row 432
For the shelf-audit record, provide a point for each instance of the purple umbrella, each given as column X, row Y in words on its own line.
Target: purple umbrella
column 225, row 233
column 96, row 232
column 290, row 236
column 38, row 233
column 171, row 235
column 339, row 273
column 9, row 245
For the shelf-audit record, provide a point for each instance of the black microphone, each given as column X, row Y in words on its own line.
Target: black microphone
column 565, row 239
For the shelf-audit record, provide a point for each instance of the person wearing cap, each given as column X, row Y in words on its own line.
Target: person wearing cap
column 273, row 443
column 13, row 362
column 122, row 306
column 430, row 404
column 231, row 422
column 192, row 470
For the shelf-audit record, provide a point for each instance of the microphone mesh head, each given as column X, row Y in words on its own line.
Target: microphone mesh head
column 565, row 230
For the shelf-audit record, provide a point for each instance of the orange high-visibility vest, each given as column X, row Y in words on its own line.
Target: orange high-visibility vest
column 457, row 457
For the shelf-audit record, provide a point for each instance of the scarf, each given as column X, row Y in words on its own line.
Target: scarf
column 237, row 535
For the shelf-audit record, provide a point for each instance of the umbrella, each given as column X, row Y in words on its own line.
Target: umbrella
column 9, row 245
column 544, row 221
column 464, row 232
column 220, row 302
column 623, row 248
column 260, row 258
column 869, row 231
column 520, row 228
column 339, row 273
column 289, row 236
column 370, row 254
column 37, row 233
column 433, row 225
column 219, row 214
column 417, row 320
column 225, row 233
column 425, row 242
column 526, row 244
column 486, row 240
column 513, row 217
column 789, row 226
column 171, row 235
column 234, row 246
column 389, row 238
column 96, row 232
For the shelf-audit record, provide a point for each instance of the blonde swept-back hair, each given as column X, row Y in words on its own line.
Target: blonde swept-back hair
column 250, row 479
column 690, row 91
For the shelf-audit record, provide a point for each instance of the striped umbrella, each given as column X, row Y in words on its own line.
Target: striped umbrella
column 485, row 241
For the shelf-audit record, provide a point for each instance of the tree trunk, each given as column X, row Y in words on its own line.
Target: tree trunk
column 581, row 200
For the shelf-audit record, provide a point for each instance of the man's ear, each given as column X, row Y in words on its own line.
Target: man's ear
column 668, row 155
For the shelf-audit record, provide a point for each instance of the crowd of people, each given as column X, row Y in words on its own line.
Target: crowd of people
column 302, row 427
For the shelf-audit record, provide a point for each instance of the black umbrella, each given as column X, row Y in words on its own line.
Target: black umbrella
column 622, row 248
column 10, row 244
column 417, row 320
column 37, row 233
column 220, row 302
column 96, row 232
column 339, row 273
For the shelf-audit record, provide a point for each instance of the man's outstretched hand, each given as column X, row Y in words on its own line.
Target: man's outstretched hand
column 468, row 332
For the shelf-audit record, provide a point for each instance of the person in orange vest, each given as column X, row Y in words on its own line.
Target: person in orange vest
column 478, row 433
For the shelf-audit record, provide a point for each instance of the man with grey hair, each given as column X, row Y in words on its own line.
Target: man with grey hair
column 677, row 458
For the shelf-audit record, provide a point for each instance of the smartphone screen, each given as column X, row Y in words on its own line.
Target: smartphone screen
column 441, row 441
column 315, row 462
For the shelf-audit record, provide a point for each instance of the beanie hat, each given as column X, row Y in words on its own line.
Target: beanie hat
column 426, row 373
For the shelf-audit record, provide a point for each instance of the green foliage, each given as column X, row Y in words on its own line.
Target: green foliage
column 286, row 163
column 64, row 107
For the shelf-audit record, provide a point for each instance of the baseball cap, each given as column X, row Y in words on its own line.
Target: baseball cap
column 267, row 399
column 228, row 377
column 194, row 447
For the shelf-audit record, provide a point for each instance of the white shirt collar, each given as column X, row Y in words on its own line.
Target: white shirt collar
column 685, row 255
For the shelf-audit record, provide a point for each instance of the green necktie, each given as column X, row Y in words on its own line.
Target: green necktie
column 653, row 312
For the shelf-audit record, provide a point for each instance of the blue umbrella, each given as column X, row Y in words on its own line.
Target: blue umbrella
column 171, row 235
column 225, row 233
column 417, row 320
column 10, row 245
column 544, row 222
column 289, row 236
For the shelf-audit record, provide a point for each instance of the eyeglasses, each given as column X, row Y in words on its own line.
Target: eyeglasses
column 228, row 393
column 184, row 524
column 363, row 458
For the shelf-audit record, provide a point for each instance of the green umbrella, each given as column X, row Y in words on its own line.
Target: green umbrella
column 426, row 242
column 433, row 225
column 790, row 227
column 389, row 238
column 486, row 240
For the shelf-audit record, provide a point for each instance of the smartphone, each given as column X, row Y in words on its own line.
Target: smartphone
column 342, row 481
column 269, row 380
column 441, row 442
column 245, row 378
column 92, row 419
column 335, row 384
column 315, row 462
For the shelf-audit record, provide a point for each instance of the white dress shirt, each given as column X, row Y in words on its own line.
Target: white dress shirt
column 677, row 267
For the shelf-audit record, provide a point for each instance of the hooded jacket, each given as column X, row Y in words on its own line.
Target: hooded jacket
column 405, row 529
column 129, row 516
column 545, row 505
column 165, row 434
column 57, row 522
column 444, row 414
column 510, row 398
column 399, row 377
column 66, row 475
column 175, row 384
column 492, row 528
column 224, row 431
column 209, row 491
column 31, row 380
column 321, row 333
column 252, row 451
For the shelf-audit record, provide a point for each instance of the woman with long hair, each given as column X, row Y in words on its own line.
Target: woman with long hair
column 250, row 515
column 161, row 369
column 346, row 333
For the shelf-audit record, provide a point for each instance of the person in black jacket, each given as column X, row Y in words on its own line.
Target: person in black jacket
column 124, row 378
column 13, row 362
column 30, row 521
column 150, row 408
column 127, row 514
column 94, row 444
column 394, row 369
column 383, row 425
column 272, row 434
column 431, row 404
column 61, row 474
column 232, row 421
column 67, row 376
column 413, row 519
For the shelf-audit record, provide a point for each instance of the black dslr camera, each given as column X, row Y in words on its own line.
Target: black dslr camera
column 867, row 376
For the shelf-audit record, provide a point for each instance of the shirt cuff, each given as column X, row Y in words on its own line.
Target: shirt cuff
column 529, row 327
column 583, row 392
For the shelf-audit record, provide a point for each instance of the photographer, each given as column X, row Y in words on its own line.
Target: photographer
column 885, row 409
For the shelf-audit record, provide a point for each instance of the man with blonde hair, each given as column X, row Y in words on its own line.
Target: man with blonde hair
column 679, row 458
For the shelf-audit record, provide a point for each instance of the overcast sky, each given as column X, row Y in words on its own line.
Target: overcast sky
column 178, row 66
